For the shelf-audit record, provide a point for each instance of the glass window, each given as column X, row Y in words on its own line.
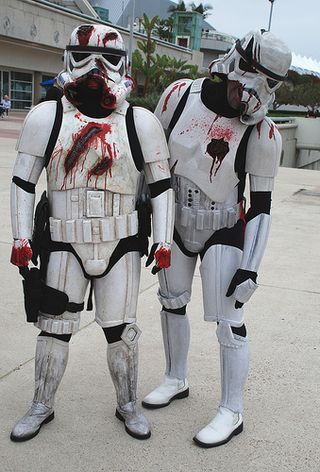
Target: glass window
column 5, row 83
column 21, row 90
column 185, row 25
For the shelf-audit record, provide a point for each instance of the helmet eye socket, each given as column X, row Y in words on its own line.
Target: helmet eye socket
column 80, row 56
column 113, row 59
column 245, row 67
column 272, row 83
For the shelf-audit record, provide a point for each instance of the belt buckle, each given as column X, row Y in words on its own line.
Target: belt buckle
column 95, row 206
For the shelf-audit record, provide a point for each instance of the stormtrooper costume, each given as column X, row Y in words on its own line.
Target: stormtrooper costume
column 95, row 148
column 217, row 134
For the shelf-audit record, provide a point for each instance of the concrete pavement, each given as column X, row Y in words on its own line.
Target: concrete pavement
column 282, row 407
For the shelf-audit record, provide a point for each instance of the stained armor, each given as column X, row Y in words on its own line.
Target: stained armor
column 217, row 134
column 95, row 148
column 259, row 62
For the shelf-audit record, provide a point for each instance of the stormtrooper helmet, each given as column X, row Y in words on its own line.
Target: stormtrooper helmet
column 259, row 63
column 96, row 61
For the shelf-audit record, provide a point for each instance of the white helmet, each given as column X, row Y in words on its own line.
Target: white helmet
column 259, row 62
column 96, row 59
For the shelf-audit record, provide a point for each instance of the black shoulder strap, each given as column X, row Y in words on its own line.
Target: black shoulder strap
column 54, row 133
column 179, row 109
column 134, row 143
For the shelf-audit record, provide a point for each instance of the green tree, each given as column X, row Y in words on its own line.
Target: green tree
column 303, row 90
column 181, row 6
column 164, row 29
column 204, row 9
column 148, row 47
column 155, row 71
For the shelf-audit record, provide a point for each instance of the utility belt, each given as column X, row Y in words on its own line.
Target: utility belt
column 208, row 219
column 79, row 203
column 94, row 230
column 41, row 298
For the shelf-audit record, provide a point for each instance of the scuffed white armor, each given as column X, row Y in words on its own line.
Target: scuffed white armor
column 206, row 146
column 93, row 185
column 92, row 207
column 210, row 155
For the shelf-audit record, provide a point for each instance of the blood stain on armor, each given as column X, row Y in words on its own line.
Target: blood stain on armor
column 56, row 155
column 272, row 127
column 178, row 86
column 271, row 131
column 218, row 132
column 100, row 65
column 217, row 149
column 259, row 128
column 91, row 136
column 84, row 33
column 112, row 36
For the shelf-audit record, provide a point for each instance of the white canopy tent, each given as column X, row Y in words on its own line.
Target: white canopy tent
column 305, row 65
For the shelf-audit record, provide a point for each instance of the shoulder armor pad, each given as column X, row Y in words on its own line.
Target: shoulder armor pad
column 264, row 149
column 169, row 101
column 151, row 135
column 36, row 129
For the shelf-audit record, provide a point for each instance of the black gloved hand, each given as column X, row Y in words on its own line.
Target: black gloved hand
column 239, row 277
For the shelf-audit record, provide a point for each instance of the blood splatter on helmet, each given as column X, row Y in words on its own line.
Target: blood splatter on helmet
column 259, row 62
column 96, row 58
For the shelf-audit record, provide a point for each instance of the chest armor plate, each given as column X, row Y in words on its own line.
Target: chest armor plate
column 203, row 148
column 93, row 153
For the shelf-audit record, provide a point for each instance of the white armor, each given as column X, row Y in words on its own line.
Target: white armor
column 212, row 148
column 259, row 62
column 93, row 181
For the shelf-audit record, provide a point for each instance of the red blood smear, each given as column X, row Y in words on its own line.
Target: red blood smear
column 22, row 255
column 112, row 36
column 101, row 65
column 220, row 132
column 92, row 135
column 81, row 143
column 84, row 33
column 259, row 128
column 271, row 132
column 163, row 257
column 174, row 88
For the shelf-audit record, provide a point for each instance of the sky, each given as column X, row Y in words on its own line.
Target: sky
column 296, row 22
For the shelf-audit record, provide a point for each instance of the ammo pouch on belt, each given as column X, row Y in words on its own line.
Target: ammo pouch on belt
column 39, row 297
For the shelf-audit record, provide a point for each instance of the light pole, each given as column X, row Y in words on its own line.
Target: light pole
column 131, row 36
column 271, row 10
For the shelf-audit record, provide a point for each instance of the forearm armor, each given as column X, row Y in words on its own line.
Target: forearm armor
column 257, row 230
column 163, row 216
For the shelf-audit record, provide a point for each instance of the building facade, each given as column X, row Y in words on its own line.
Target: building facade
column 33, row 35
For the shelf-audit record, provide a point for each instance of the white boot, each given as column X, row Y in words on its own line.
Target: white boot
column 221, row 429
column 176, row 340
column 50, row 364
column 234, row 363
column 123, row 366
column 171, row 389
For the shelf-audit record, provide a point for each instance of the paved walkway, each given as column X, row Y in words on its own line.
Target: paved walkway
column 282, row 407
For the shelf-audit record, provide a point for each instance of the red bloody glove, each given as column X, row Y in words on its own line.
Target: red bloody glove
column 21, row 253
column 162, row 256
